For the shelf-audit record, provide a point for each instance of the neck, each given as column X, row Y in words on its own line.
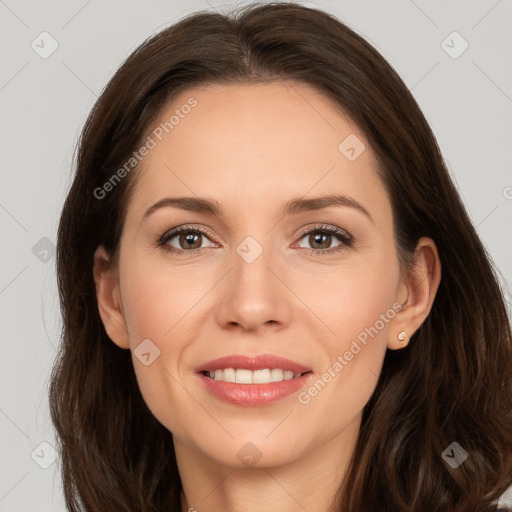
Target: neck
column 309, row 482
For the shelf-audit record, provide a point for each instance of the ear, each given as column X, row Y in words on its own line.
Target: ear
column 416, row 293
column 108, row 297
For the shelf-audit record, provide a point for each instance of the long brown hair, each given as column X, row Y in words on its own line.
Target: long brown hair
column 453, row 382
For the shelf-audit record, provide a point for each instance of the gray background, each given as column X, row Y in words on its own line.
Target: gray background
column 467, row 100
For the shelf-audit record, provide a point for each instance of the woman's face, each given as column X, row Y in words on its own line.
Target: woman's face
column 262, row 279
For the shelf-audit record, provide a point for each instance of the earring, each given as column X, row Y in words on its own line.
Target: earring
column 402, row 336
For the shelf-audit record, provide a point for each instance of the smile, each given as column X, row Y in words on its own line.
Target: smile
column 243, row 376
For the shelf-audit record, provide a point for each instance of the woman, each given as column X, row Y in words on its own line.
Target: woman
column 273, row 297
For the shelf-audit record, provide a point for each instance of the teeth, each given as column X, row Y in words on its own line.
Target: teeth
column 242, row 376
column 261, row 376
column 228, row 375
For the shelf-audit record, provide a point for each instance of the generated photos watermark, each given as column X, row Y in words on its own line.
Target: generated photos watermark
column 152, row 141
column 304, row 397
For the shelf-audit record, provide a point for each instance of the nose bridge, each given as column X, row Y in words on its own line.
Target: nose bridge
column 252, row 278
column 252, row 294
column 252, row 264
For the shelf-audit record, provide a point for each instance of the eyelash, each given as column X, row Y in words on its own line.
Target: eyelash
column 346, row 239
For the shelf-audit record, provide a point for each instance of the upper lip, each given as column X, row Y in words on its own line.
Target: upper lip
column 252, row 362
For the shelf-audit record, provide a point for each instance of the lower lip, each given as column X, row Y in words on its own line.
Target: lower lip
column 253, row 395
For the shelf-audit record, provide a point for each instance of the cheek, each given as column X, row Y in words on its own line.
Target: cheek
column 161, row 303
column 352, row 298
column 157, row 298
column 356, row 309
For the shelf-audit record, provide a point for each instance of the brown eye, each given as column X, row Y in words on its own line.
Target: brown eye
column 184, row 240
column 190, row 240
column 321, row 238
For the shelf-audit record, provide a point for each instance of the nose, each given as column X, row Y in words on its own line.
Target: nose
column 253, row 296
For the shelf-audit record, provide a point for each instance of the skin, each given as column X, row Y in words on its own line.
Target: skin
column 252, row 148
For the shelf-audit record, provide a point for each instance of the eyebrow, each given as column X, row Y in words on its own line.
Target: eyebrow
column 293, row 206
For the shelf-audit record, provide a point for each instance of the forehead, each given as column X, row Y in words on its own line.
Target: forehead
column 255, row 142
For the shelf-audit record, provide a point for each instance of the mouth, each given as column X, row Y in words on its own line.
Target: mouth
column 245, row 376
column 253, row 380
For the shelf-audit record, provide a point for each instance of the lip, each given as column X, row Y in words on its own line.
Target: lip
column 253, row 395
column 253, row 362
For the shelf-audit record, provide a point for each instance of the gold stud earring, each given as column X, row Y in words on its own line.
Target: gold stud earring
column 402, row 336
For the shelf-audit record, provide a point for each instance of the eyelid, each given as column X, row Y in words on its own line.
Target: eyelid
column 345, row 238
column 325, row 227
column 171, row 233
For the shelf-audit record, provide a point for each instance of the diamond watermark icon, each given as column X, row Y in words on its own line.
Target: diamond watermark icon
column 44, row 455
column 44, row 249
column 146, row 352
column 351, row 147
column 44, row 45
column 249, row 249
column 455, row 455
column 249, row 454
column 454, row 45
